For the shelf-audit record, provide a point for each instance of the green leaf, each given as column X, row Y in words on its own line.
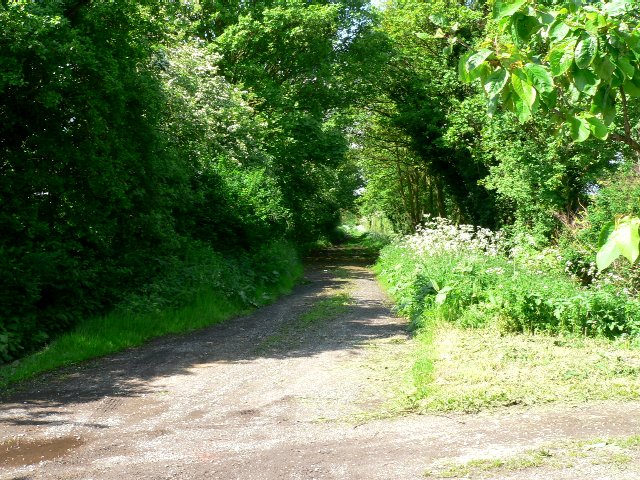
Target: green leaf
column 579, row 129
column 585, row 81
column 615, row 8
column 604, row 104
column 632, row 87
column 477, row 59
column 586, row 50
column 522, row 110
column 441, row 297
column 496, row 82
column 539, row 77
column 506, row 8
column 604, row 69
column 628, row 238
column 633, row 41
column 624, row 64
column 561, row 56
column 558, row 30
column 607, row 255
column 438, row 19
column 463, row 74
column 550, row 98
column 546, row 18
column 522, row 87
column 523, row 27
column 598, row 128
column 595, row 21
column 623, row 239
column 606, row 230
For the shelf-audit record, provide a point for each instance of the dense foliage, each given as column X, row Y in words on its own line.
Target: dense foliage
column 531, row 108
column 149, row 149
column 476, row 278
column 152, row 150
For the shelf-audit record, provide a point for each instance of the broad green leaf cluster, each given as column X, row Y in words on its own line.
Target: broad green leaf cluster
column 619, row 239
column 578, row 62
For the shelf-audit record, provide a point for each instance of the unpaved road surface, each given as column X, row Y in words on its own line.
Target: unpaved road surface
column 246, row 401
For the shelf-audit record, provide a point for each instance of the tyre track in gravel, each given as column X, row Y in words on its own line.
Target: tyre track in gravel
column 213, row 404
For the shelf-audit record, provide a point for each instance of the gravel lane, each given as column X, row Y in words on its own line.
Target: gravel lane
column 217, row 404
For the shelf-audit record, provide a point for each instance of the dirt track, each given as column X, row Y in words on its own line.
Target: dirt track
column 223, row 404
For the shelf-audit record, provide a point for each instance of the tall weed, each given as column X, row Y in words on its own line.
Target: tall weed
column 474, row 278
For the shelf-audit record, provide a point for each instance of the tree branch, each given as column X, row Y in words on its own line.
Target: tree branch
column 625, row 112
column 635, row 146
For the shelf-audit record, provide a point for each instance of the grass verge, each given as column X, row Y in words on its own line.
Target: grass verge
column 607, row 453
column 386, row 366
column 469, row 370
column 117, row 331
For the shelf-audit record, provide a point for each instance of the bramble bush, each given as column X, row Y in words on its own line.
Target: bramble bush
column 475, row 278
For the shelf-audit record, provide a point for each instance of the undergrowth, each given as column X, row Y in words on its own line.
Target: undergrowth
column 501, row 323
column 205, row 291
column 472, row 278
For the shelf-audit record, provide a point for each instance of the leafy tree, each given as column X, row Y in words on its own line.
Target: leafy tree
column 416, row 95
column 577, row 62
column 212, row 128
column 540, row 179
column 133, row 134
column 287, row 56
column 86, row 190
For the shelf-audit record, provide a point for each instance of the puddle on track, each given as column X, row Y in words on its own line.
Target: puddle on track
column 19, row 452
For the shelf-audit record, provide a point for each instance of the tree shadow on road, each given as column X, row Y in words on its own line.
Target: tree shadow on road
column 130, row 373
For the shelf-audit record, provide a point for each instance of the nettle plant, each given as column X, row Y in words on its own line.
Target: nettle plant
column 577, row 62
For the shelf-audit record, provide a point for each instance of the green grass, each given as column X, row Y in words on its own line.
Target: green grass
column 386, row 364
column 117, row 331
column 470, row 370
column 611, row 452
column 474, row 468
column 456, row 368
column 321, row 311
column 325, row 310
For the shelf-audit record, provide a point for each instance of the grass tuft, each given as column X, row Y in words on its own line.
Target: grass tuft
column 326, row 309
column 610, row 452
column 321, row 312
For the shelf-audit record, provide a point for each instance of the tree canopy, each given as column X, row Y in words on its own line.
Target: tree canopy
column 135, row 136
